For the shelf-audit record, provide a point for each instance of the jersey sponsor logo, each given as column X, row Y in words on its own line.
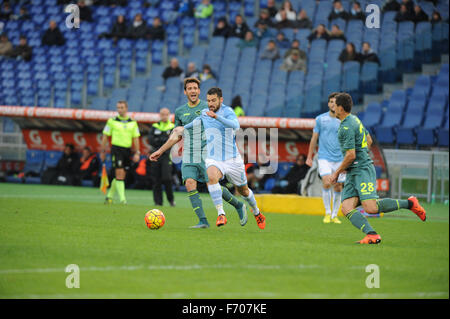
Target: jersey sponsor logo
column 186, row 114
column 198, row 112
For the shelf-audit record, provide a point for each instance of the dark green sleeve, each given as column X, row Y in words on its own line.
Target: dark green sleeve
column 177, row 120
column 348, row 138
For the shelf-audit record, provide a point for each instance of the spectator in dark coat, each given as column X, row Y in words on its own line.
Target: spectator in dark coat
column 222, row 28
column 436, row 17
column 264, row 18
column 172, row 70
column 303, row 22
column 6, row 11
column 119, row 29
column 262, row 31
column 156, row 31
column 338, row 11
column 336, row 33
column 419, row 15
column 356, row 13
column 89, row 166
column 85, row 11
column 68, row 167
column 289, row 184
column 409, row 5
column 391, row 5
column 319, row 33
column 403, row 14
column 349, row 53
column 23, row 50
column 239, row 28
column 138, row 28
column 271, row 6
column 23, row 14
column 282, row 42
column 368, row 55
column 53, row 35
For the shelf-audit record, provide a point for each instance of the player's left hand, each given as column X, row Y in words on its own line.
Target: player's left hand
column 136, row 157
column 334, row 178
column 211, row 114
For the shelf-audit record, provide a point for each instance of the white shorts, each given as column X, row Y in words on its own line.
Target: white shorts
column 327, row 168
column 233, row 169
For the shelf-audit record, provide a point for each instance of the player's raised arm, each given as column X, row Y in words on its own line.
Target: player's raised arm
column 230, row 120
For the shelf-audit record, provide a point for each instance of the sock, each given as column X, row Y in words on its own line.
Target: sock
column 360, row 222
column 216, row 194
column 112, row 189
column 120, row 186
column 250, row 199
column 230, row 199
column 197, row 206
column 326, row 196
column 387, row 205
column 336, row 203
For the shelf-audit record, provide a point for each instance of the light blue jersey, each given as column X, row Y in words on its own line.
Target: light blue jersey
column 220, row 133
column 327, row 127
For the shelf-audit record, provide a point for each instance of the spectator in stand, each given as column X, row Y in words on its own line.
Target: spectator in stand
column 207, row 73
column 89, row 166
column 391, row 5
column 204, row 10
column 303, row 21
column 6, row 46
column 272, row 7
column 349, row 53
column 172, row 70
column 239, row 28
column 68, row 167
column 156, row 31
column 419, row 15
column 290, row 183
column 6, row 11
column 53, row 35
column 186, row 8
column 119, row 29
column 23, row 14
column 262, row 31
column 222, row 28
column 270, row 52
column 368, row 55
column 409, row 5
column 284, row 22
column 138, row 29
column 22, row 51
column 295, row 46
column 85, row 11
column 191, row 72
column 236, row 105
column 288, row 9
column 436, row 17
column 248, row 42
column 404, row 14
column 294, row 62
column 356, row 13
column 338, row 11
column 264, row 18
column 319, row 33
column 336, row 33
column 282, row 42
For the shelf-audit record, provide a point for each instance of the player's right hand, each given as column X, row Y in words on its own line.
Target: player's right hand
column 154, row 156
column 309, row 162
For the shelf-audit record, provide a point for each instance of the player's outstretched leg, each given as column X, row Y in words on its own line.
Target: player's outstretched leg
column 387, row 205
column 215, row 190
column 197, row 206
column 239, row 206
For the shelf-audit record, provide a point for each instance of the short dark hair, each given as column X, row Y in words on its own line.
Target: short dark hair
column 344, row 100
column 71, row 146
column 191, row 80
column 215, row 91
column 301, row 155
column 332, row 95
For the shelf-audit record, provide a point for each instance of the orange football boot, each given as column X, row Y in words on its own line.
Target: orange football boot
column 261, row 220
column 417, row 209
column 370, row 239
column 221, row 220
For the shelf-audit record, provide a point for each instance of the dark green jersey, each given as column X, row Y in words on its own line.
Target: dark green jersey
column 185, row 114
column 352, row 135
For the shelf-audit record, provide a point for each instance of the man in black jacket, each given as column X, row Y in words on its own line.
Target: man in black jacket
column 172, row 70
column 68, row 167
column 161, row 171
column 53, row 35
column 23, row 50
column 419, row 15
column 368, row 55
column 338, row 11
column 289, row 184
column 239, row 28
column 156, row 31
column 356, row 13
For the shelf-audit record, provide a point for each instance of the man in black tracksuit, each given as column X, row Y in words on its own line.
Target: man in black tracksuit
column 161, row 171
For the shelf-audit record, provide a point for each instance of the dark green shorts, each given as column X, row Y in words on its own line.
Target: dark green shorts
column 360, row 182
column 195, row 171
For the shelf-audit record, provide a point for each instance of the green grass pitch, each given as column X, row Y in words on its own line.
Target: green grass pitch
column 45, row 228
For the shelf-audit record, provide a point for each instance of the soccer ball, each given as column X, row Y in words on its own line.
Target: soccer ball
column 155, row 219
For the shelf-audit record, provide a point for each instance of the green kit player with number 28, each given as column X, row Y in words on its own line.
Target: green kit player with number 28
column 360, row 183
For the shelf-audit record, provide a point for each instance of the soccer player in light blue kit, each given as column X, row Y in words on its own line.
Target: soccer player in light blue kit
column 223, row 159
column 329, row 159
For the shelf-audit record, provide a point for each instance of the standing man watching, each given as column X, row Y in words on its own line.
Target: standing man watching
column 124, row 133
column 161, row 171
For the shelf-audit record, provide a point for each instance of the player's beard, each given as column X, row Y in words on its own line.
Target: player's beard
column 214, row 108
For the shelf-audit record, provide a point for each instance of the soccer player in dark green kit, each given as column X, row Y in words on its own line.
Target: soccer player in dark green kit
column 360, row 183
column 193, row 169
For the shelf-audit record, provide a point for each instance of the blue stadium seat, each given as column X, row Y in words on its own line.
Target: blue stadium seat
column 350, row 79
column 51, row 159
column 34, row 161
column 369, row 78
column 372, row 115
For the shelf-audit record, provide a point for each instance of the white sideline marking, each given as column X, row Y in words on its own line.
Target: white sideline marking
column 160, row 267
